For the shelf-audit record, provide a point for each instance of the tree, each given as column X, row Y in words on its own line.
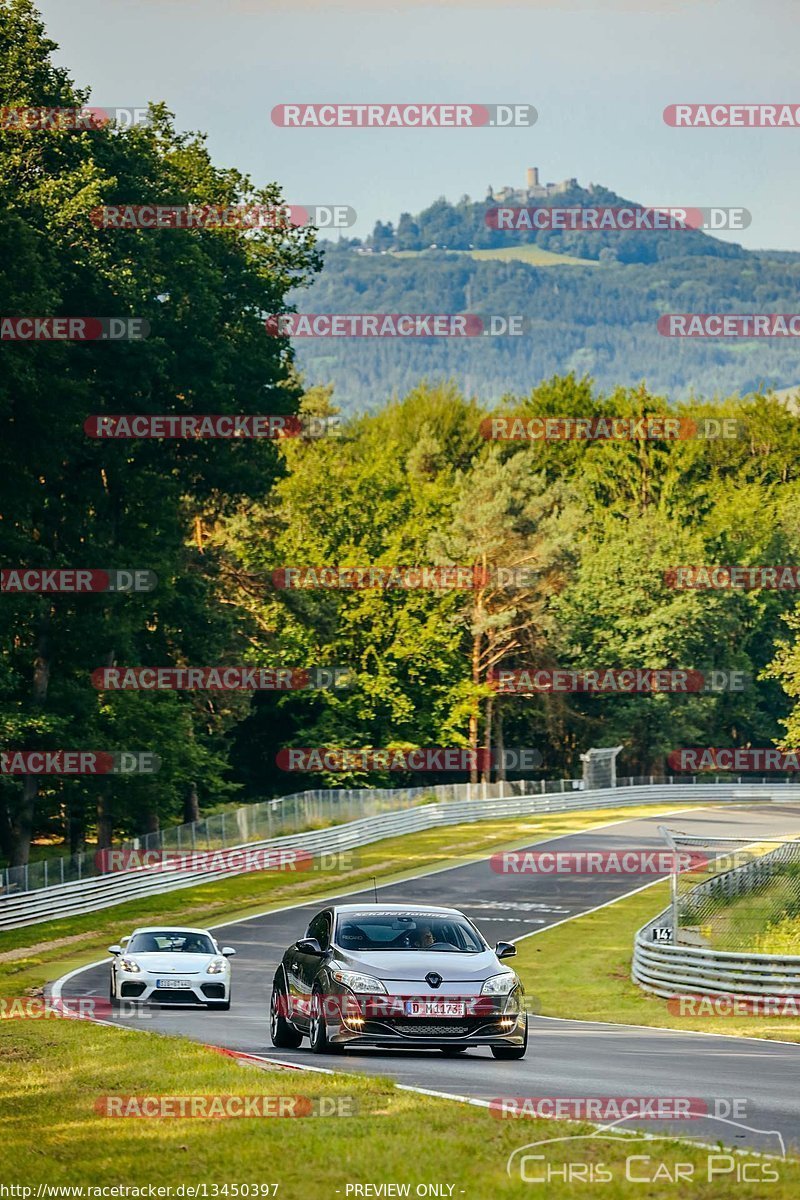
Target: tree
column 72, row 502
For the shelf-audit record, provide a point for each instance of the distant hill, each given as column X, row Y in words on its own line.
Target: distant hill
column 591, row 303
column 537, row 256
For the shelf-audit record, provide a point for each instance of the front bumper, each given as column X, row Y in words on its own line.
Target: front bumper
column 202, row 989
column 489, row 1021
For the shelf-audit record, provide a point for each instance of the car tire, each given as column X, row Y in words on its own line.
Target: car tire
column 283, row 1034
column 112, row 999
column 318, row 1033
column 507, row 1052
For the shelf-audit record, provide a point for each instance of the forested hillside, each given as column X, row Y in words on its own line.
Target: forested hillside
column 598, row 320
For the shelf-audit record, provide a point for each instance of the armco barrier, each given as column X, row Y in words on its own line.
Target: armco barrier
column 90, row 895
column 670, row 969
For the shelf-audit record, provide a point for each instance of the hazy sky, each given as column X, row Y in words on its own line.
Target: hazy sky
column 599, row 75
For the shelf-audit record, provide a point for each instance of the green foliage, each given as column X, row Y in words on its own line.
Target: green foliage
column 598, row 320
column 68, row 501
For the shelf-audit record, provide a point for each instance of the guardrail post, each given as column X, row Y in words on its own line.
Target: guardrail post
column 45, row 872
column 224, row 843
column 673, row 880
column 61, row 860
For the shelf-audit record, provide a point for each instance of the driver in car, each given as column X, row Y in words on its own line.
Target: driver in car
column 425, row 936
column 194, row 945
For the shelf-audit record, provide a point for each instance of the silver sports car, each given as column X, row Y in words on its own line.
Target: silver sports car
column 397, row 975
column 166, row 965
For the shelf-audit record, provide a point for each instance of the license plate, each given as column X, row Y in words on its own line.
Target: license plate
column 435, row 1008
column 173, row 983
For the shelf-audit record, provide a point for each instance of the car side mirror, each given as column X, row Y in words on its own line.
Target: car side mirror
column 310, row 946
column 505, row 950
column 227, row 951
column 115, row 949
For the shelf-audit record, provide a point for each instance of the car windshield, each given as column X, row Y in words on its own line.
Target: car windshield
column 167, row 942
column 437, row 932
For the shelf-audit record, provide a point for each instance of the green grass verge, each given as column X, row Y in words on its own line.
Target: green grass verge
column 31, row 956
column 782, row 937
column 764, row 921
column 53, row 1072
column 582, row 969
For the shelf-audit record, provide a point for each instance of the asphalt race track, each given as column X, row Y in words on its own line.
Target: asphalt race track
column 565, row 1058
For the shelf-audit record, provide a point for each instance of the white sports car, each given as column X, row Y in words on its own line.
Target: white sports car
column 171, row 966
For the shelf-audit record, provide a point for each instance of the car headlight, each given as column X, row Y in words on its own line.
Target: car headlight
column 499, row 985
column 130, row 966
column 358, row 982
column 216, row 966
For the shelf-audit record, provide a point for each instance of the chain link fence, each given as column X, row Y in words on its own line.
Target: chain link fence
column 281, row 817
column 318, row 809
column 731, row 894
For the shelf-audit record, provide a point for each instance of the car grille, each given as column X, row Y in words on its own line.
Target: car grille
column 173, row 996
column 132, row 989
column 214, row 991
column 430, row 1028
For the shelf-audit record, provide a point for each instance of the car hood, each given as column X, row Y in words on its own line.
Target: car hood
column 172, row 964
column 412, row 966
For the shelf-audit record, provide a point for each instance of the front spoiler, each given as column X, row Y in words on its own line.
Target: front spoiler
column 350, row 1037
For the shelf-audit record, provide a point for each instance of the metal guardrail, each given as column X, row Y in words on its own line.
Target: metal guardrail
column 253, row 823
column 671, row 969
column 91, row 895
